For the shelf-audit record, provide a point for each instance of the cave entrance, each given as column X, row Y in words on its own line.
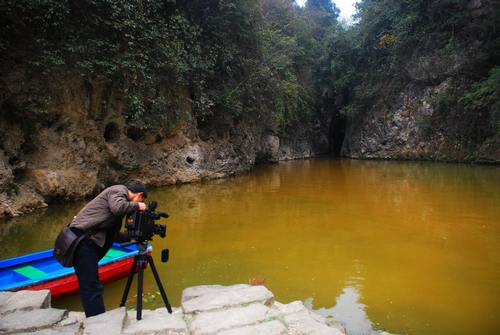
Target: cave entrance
column 337, row 134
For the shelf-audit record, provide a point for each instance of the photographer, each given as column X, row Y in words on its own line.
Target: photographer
column 103, row 218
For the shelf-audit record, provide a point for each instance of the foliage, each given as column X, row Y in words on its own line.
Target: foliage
column 227, row 58
column 390, row 32
column 343, row 73
column 387, row 40
column 128, row 44
column 13, row 191
column 259, row 70
column 484, row 99
column 348, row 111
column 323, row 6
column 485, row 93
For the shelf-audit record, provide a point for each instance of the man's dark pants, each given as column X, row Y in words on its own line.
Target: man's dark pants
column 86, row 268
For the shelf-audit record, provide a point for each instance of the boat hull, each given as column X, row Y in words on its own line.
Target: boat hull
column 62, row 282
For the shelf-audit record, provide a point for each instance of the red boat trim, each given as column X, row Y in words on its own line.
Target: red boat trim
column 68, row 286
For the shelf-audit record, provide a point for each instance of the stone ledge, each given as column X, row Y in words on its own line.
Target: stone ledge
column 205, row 310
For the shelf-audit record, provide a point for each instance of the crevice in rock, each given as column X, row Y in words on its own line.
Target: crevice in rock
column 112, row 132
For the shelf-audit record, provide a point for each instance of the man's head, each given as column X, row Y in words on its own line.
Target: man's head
column 137, row 192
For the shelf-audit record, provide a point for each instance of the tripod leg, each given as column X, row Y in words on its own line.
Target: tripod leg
column 160, row 286
column 139, row 290
column 129, row 282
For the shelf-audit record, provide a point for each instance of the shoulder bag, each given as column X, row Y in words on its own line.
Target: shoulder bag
column 65, row 246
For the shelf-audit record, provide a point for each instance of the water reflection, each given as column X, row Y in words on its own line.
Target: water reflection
column 349, row 312
column 35, row 231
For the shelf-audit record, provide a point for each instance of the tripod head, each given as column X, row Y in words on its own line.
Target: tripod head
column 143, row 248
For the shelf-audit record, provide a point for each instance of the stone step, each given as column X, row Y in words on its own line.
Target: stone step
column 205, row 310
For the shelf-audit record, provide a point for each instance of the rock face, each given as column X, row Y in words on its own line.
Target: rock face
column 403, row 132
column 398, row 132
column 408, row 127
column 410, row 121
column 82, row 150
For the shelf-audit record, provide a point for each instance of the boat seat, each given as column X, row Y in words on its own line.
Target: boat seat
column 30, row 272
column 112, row 253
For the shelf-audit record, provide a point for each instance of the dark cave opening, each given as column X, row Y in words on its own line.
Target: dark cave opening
column 337, row 134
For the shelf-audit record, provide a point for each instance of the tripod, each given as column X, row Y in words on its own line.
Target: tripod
column 143, row 258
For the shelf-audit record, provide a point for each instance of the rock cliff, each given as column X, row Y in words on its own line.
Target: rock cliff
column 84, row 143
column 85, row 149
column 406, row 125
column 419, row 114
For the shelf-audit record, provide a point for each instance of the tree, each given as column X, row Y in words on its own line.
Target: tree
column 322, row 5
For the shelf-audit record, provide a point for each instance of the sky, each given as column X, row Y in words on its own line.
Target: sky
column 346, row 7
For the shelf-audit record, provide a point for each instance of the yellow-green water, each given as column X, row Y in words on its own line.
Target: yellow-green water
column 412, row 248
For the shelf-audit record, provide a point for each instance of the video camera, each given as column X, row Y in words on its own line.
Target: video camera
column 140, row 225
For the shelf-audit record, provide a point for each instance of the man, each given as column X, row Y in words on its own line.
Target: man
column 103, row 218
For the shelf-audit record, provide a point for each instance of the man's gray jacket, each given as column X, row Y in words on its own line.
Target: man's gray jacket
column 105, row 213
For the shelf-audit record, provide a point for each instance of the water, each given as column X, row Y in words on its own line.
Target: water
column 407, row 247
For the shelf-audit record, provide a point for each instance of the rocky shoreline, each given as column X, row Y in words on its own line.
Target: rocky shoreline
column 205, row 310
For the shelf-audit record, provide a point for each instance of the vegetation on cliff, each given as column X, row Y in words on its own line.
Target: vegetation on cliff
column 234, row 59
column 229, row 59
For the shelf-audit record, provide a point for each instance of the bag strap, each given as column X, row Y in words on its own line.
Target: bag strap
column 85, row 234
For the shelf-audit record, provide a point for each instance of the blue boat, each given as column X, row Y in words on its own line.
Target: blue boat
column 40, row 270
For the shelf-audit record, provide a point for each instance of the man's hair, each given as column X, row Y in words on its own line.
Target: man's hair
column 137, row 187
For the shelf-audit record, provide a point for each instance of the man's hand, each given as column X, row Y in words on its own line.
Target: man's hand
column 142, row 206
